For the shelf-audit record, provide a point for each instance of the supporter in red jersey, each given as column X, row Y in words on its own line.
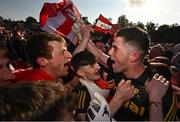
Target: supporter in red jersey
column 48, row 55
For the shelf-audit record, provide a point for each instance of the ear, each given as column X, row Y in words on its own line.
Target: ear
column 80, row 72
column 42, row 61
column 135, row 56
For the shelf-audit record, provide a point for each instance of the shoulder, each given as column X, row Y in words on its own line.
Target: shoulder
column 22, row 73
column 31, row 75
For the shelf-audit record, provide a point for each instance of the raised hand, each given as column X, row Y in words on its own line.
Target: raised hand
column 157, row 87
column 125, row 90
column 86, row 32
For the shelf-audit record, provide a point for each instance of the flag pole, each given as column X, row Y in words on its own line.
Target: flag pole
column 57, row 31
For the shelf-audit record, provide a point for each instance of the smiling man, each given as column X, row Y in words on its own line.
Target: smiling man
column 48, row 55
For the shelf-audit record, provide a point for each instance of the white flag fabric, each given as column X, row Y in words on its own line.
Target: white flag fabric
column 59, row 18
column 103, row 24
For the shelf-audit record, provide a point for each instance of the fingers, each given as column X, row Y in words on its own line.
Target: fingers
column 87, row 27
column 105, row 75
column 132, row 87
column 124, row 84
column 165, row 81
column 121, row 82
column 156, row 76
column 161, row 79
column 111, row 81
column 127, row 83
column 125, row 90
column 133, row 91
column 111, row 84
column 85, row 32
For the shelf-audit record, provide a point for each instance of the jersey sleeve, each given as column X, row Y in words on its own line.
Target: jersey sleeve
column 169, row 105
column 83, row 99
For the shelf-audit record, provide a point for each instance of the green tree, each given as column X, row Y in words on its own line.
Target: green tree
column 150, row 26
column 131, row 24
column 1, row 18
column 174, row 25
column 30, row 20
column 123, row 21
column 110, row 19
column 31, row 23
column 140, row 25
column 163, row 27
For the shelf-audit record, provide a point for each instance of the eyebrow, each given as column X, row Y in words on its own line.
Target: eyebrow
column 64, row 49
column 60, row 51
column 114, row 46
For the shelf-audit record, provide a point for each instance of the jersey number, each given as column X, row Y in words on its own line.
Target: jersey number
column 136, row 109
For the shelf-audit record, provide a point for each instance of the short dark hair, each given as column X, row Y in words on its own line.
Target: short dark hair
column 83, row 58
column 38, row 46
column 135, row 37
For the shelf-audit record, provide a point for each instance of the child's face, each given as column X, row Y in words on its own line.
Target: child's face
column 91, row 72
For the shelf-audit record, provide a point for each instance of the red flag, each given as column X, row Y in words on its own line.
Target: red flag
column 103, row 24
column 59, row 18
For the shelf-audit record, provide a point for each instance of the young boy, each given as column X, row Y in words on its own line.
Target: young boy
column 88, row 70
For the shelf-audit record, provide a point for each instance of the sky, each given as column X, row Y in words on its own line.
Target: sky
column 157, row 11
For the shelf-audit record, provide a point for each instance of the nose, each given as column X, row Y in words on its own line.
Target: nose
column 68, row 55
column 110, row 51
column 97, row 66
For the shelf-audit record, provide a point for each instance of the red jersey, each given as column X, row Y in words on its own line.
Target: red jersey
column 32, row 75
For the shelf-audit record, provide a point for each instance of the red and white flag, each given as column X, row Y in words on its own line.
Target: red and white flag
column 103, row 24
column 59, row 18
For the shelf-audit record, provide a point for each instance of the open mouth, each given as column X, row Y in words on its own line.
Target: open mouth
column 112, row 62
column 98, row 72
column 68, row 63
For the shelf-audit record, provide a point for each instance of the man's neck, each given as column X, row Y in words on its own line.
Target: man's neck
column 49, row 73
column 135, row 71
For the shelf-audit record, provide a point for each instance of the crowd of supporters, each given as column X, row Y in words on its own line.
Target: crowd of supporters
column 44, row 76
